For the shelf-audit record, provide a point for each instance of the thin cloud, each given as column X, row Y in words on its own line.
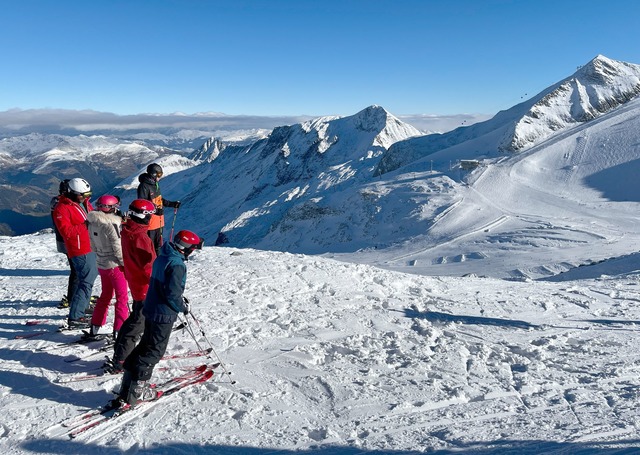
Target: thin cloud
column 52, row 120
column 16, row 121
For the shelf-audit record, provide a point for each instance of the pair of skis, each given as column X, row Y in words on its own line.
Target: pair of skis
column 102, row 374
column 110, row 417
column 59, row 329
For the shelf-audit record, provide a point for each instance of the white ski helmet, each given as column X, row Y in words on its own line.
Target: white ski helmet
column 79, row 186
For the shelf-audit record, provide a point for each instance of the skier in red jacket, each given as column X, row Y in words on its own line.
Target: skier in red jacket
column 70, row 218
column 138, row 253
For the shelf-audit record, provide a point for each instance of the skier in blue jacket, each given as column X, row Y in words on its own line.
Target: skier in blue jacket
column 163, row 303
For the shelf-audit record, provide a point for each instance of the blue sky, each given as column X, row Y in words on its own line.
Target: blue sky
column 297, row 57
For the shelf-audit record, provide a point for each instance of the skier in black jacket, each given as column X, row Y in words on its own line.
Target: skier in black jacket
column 149, row 189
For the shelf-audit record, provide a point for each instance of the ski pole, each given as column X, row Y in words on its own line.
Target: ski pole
column 189, row 328
column 185, row 325
column 175, row 214
column 211, row 346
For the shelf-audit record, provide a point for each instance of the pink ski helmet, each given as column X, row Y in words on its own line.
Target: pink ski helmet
column 108, row 203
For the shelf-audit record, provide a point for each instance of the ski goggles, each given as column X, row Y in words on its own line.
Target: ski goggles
column 141, row 214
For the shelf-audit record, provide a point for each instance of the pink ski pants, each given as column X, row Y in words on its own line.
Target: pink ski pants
column 113, row 281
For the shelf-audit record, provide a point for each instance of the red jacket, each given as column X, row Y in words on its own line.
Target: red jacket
column 71, row 220
column 138, row 254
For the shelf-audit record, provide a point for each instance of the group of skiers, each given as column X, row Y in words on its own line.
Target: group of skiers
column 127, row 251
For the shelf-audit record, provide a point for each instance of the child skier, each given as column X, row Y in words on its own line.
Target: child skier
column 138, row 254
column 161, row 307
column 104, row 230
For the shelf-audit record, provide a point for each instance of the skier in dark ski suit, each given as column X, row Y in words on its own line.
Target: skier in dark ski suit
column 161, row 307
column 149, row 189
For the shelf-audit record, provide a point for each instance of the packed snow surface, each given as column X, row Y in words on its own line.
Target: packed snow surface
column 333, row 357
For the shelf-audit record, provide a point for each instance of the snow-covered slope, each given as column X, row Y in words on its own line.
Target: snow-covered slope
column 593, row 90
column 254, row 194
column 286, row 194
column 309, row 188
column 341, row 359
column 565, row 202
column 596, row 88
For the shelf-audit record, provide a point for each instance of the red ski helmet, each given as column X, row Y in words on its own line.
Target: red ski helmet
column 141, row 210
column 187, row 241
column 108, row 203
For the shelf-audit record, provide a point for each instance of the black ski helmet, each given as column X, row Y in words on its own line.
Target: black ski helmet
column 64, row 186
column 154, row 170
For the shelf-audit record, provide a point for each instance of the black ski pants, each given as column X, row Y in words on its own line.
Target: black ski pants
column 129, row 333
column 156, row 238
column 149, row 351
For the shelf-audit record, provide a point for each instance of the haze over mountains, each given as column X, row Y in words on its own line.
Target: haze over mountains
column 28, row 182
column 348, row 185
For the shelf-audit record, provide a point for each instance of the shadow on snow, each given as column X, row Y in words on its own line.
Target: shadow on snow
column 56, row 446
column 435, row 316
column 33, row 272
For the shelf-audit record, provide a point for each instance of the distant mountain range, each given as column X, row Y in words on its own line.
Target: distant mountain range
column 340, row 184
column 328, row 184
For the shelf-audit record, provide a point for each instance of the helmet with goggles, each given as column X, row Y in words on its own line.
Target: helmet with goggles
column 186, row 242
column 108, row 203
column 140, row 210
column 78, row 187
column 154, row 170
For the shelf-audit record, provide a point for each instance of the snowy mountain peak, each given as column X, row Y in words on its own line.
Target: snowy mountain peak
column 593, row 90
column 290, row 174
column 373, row 118
column 209, row 151
column 596, row 88
column 601, row 70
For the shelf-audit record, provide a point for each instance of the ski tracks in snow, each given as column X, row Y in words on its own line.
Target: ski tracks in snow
column 330, row 353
